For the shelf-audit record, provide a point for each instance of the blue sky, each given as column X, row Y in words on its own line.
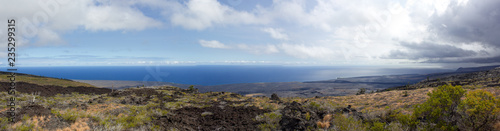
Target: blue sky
column 397, row 33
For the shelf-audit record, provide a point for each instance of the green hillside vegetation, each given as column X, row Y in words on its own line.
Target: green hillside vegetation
column 39, row 80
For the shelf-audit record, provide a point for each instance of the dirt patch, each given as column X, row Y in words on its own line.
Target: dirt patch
column 50, row 90
column 216, row 117
column 31, row 111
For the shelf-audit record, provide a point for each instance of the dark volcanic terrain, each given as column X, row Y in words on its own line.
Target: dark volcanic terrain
column 334, row 87
column 159, row 108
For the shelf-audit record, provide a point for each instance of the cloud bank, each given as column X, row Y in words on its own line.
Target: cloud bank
column 426, row 31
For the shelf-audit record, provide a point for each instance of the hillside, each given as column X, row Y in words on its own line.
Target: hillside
column 333, row 87
column 173, row 108
column 41, row 80
column 488, row 78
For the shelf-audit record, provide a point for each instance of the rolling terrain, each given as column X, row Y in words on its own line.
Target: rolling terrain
column 334, row 87
column 171, row 108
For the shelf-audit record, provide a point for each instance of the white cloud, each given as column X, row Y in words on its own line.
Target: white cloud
column 213, row 44
column 255, row 49
column 322, row 29
column 276, row 33
column 259, row 49
column 117, row 18
column 201, row 14
column 308, row 51
column 48, row 20
column 47, row 36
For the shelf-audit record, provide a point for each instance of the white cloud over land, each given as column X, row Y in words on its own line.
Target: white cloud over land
column 385, row 31
column 48, row 20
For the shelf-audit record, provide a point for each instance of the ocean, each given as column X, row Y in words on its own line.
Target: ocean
column 217, row 74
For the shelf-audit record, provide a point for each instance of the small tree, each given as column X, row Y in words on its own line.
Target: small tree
column 361, row 91
column 191, row 88
column 441, row 107
column 479, row 110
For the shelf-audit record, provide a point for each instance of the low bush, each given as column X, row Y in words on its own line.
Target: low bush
column 479, row 111
column 137, row 116
column 361, row 91
column 271, row 121
column 344, row 123
column 440, row 107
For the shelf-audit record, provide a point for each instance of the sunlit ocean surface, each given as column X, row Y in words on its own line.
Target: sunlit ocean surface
column 216, row 75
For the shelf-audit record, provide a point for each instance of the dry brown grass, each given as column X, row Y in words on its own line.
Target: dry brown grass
column 496, row 127
column 4, row 109
column 79, row 125
column 39, row 120
column 103, row 108
column 254, row 94
column 264, row 103
column 393, row 99
column 379, row 101
column 325, row 122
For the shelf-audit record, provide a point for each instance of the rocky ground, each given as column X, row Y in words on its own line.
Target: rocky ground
column 173, row 108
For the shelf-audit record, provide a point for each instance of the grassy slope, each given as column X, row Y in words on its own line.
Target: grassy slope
column 112, row 114
column 43, row 80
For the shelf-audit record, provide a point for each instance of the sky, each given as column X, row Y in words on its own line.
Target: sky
column 401, row 33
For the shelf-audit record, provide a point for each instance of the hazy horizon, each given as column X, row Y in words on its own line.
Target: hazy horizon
column 217, row 74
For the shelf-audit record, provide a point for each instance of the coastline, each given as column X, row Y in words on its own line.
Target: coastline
column 118, row 84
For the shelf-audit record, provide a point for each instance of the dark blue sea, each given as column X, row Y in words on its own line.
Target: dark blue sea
column 217, row 74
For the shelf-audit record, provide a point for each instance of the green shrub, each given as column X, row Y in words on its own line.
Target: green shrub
column 271, row 120
column 440, row 108
column 155, row 128
column 25, row 127
column 343, row 123
column 137, row 117
column 406, row 120
column 361, row 91
column 25, row 118
column 308, row 116
column 314, row 106
column 4, row 121
column 69, row 116
column 479, row 110
column 378, row 126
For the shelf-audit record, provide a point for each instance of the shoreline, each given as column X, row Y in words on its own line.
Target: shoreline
column 120, row 84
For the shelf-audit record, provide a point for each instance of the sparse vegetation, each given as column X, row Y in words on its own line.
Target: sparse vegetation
column 346, row 123
column 271, row 121
column 475, row 106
